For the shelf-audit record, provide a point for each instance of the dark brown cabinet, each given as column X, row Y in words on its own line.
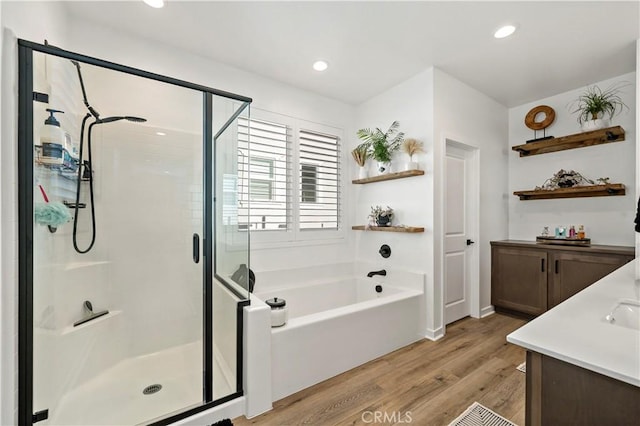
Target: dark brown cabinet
column 519, row 279
column 575, row 271
column 531, row 278
column 559, row 393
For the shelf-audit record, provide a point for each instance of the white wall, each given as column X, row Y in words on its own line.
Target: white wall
column 2, row 310
column 468, row 116
column 411, row 104
column 267, row 94
column 32, row 22
column 431, row 107
column 607, row 220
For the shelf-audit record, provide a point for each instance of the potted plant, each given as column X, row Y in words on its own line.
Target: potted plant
column 380, row 216
column 360, row 154
column 412, row 146
column 594, row 105
column 382, row 144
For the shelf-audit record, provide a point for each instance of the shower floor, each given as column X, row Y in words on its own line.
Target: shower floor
column 115, row 397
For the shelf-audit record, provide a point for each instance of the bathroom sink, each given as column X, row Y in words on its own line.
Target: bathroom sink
column 625, row 313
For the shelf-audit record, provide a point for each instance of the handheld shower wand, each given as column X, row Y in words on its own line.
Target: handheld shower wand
column 97, row 120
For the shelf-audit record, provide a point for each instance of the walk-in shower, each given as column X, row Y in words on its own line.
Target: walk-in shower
column 142, row 324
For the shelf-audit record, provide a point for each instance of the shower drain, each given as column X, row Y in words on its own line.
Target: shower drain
column 151, row 389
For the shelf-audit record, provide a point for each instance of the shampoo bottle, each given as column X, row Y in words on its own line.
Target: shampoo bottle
column 52, row 140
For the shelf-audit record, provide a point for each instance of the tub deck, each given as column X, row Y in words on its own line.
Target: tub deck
column 336, row 326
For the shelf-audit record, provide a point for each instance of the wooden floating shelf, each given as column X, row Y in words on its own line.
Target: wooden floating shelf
column 409, row 229
column 389, row 176
column 575, row 192
column 579, row 140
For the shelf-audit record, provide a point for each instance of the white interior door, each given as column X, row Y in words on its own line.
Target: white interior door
column 459, row 212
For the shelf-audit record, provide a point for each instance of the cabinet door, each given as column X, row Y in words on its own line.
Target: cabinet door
column 519, row 279
column 571, row 272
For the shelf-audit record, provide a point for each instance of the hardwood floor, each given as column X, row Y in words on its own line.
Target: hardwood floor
column 426, row 383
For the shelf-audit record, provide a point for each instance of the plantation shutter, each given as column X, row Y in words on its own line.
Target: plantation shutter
column 264, row 158
column 319, row 194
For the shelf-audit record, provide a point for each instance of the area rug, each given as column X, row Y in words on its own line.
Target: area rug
column 479, row 415
column 522, row 367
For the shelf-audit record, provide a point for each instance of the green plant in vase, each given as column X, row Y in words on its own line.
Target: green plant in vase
column 382, row 145
column 595, row 107
column 380, row 216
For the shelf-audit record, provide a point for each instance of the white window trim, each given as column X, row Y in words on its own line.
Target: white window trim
column 294, row 236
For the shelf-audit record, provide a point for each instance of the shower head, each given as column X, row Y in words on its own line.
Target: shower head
column 136, row 119
column 118, row 118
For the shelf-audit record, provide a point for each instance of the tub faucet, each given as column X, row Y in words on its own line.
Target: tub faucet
column 382, row 272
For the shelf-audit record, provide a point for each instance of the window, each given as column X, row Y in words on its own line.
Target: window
column 261, row 179
column 260, row 190
column 288, row 179
column 319, row 181
column 264, row 174
column 230, row 201
column 309, row 183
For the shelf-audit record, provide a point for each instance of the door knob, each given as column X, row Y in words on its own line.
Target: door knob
column 469, row 242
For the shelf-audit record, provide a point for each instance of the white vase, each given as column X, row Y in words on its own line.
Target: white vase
column 411, row 165
column 384, row 167
column 597, row 124
column 363, row 173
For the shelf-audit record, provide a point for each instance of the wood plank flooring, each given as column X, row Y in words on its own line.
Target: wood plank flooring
column 426, row 383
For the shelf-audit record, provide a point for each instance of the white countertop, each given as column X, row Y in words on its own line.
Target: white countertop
column 576, row 331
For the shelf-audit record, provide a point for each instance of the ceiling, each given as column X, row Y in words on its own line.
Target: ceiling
column 372, row 46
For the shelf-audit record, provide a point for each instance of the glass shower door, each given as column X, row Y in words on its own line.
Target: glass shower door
column 118, row 324
column 231, row 247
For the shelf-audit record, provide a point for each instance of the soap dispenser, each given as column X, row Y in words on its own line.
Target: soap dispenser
column 52, row 139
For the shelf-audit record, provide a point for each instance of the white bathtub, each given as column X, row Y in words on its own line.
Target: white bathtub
column 336, row 326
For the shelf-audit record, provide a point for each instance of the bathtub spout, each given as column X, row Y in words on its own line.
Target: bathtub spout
column 382, row 272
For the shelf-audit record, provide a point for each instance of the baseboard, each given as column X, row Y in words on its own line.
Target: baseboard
column 486, row 311
column 436, row 334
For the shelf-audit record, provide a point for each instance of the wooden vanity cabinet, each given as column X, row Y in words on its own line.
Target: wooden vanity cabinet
column 530, row 278
column 519, row 279
column 560, row 393
column 573, row 271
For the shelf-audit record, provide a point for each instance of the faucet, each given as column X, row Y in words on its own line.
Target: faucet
column 382, row 272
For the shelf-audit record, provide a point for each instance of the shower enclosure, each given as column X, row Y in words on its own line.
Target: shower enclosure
column 130, row 307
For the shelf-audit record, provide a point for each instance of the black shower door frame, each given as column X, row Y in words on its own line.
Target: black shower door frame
column 26, row 97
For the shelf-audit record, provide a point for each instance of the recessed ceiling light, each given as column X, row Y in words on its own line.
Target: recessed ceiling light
column 505, row 31
column 161, row 133
column 155, row 3
column 320, row 65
